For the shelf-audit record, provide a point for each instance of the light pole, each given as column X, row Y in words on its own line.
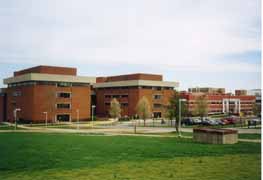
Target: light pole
column 77, row 118
column 92, row 113
column 46, row 118
column 15, row 114
column 179, row 125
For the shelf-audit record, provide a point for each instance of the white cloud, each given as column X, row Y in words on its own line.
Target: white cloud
column 188, row 34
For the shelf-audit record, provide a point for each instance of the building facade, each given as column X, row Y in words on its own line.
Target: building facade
column 257, row 93
column 129, row 89
column 55, row 93
column 219, row 103
column 2, row 105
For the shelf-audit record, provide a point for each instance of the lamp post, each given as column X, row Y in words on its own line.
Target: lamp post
column 46, row 118
column 15, row 114
column 77, row 118
column 179, row 125
column 92, row 113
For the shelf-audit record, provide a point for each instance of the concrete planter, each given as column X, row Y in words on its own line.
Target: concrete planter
column 215, row 136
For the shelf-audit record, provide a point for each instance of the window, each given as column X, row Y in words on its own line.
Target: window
column 63, row 117
column 17, row 93
column 63, row 95
column 64, row 84
column 168, row 88
column 157, row 96
column 146, row 87
column 63, row 106
column 124, row 104
column 80, row 84
column 47, row 83
column 157, row 105
column 157, row 88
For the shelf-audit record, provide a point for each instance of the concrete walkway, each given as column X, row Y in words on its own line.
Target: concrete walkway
column 127, row 131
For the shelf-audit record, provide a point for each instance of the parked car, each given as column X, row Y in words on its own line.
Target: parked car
column 219, row 122
column 197, row 121
column 232, row 120
column 187, row 121
column 225, row 122
column 256, row 121
column 209, row 122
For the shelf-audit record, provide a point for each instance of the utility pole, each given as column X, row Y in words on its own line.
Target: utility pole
column 46, row 118
column 15, row 115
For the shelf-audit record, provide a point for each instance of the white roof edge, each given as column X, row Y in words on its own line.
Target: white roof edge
column 50, row 77
column 136, row 83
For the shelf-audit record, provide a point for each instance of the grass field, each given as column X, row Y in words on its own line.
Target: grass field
column 6, row 127
column 190, row 134
column 78, row 156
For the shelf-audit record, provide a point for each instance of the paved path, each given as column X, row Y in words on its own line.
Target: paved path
column 117, row 131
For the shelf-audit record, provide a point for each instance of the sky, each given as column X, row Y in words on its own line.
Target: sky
column 212, row 43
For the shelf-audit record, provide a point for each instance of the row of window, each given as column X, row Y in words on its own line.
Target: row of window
column 116, row 96
column 158, row 88
column 49, row 83
column 63, row 106
column 122, row 104
column 157, row 96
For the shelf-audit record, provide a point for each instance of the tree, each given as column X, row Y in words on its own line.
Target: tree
column 172, row 110
column 115, row 108
column 143, row 109
column 201, row 106
column 256, row 109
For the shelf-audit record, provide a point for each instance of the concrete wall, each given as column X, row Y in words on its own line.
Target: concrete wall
column 215, row 138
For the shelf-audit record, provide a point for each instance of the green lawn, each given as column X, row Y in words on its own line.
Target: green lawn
column 6, row 127
column 190, row 134
column 78, row 156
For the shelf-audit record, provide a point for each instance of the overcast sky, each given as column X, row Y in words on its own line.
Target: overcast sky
column 196, row 42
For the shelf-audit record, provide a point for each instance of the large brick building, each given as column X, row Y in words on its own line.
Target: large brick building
column 219, row 101
column 64, row 96
column 55, row 90
column 129, row 89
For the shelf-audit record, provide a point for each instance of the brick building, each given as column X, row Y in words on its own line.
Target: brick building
column 129, row 89
column 2, row 105
column 219, row 102
column 55, row 90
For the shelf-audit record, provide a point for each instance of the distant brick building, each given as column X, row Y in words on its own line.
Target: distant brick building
column 129, row 89
column 55, row 90
column 221, row 102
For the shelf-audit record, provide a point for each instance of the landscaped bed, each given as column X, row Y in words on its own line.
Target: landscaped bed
column 80, row 156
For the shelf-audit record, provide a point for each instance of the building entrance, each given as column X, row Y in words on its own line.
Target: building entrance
column 157, row 114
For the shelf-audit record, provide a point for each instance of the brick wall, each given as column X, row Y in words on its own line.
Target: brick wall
column 48, row 70
column 35, row 100
column 152, row 77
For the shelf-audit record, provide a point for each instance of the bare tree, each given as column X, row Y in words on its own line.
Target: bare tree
column 143, row 109
column 115, row 108
column 201, row 106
